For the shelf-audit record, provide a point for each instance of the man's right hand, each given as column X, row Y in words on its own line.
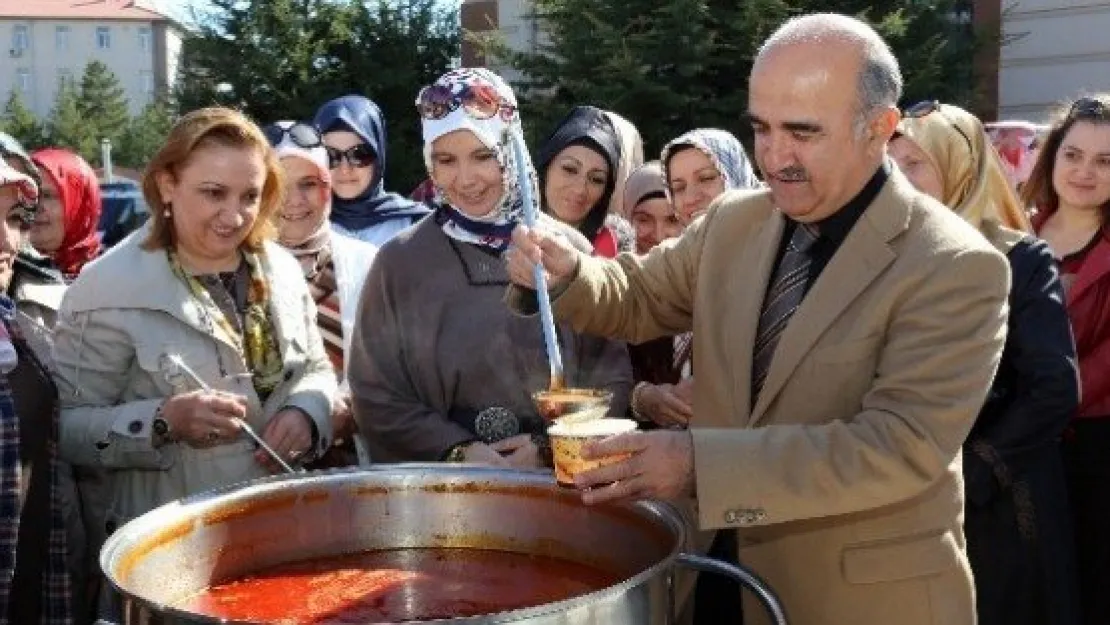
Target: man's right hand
column 559, row 258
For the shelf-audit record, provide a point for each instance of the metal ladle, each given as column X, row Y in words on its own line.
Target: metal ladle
column 179, row 366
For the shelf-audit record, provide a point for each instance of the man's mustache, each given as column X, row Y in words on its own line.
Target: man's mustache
column 791, row 174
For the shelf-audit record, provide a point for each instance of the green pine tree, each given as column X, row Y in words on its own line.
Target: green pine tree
column 68, row 126
column 673, row 66
column 19, row 122
column 384, row 49
column 103, row 104
column 144, row 135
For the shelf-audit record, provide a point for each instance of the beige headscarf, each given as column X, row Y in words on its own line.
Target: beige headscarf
column 643, row 181
column 632, row 156
column 975, row 184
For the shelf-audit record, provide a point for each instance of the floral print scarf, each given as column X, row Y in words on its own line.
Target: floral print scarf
column 254, row 334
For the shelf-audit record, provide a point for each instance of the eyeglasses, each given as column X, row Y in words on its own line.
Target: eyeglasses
column 1088, row 108
column 300, row 133
column 922, row 109
column 479, row 101
column 358, row 156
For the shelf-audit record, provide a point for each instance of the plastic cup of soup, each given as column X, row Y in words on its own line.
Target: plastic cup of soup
column 568, row 438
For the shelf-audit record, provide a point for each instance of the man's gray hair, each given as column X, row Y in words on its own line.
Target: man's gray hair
column 880, row 79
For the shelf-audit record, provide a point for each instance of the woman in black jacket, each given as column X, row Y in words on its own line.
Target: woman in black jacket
column 1019, row 536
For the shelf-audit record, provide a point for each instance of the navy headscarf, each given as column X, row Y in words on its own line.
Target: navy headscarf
column 587, row 126
column 375, row 205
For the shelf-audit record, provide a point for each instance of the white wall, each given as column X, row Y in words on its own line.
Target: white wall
column 45, row 60
column 1058, row 50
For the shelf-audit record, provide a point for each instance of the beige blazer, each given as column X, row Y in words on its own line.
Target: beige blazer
column 844, row 479
column 127, row 310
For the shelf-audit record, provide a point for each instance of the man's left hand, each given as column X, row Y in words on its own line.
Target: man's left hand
column 661, row 467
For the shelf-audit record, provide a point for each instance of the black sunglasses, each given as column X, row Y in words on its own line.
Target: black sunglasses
column 361, row 155
column 1088, row 108
column 302, row 135
column 921, row 109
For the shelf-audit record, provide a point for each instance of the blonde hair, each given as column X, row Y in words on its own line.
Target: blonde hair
column 200, row 128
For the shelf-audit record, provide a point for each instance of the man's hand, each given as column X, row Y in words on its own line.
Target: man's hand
column 559, row 258
column 661, row 467
column 663, row 404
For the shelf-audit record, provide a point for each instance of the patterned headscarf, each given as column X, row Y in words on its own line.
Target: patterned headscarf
column 632, row 156
column 723, row 149
column 495, row 229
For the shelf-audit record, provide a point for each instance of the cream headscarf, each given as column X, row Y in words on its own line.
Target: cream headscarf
column 975, row 183
column 632, row 156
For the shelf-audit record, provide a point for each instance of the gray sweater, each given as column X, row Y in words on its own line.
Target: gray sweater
column 434, row 343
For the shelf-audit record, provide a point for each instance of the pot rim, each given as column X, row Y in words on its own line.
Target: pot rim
column 659, row 511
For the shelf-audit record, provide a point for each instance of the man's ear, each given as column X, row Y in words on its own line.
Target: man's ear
column 882, row 127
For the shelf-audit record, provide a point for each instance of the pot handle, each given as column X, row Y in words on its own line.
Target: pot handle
column 741, row 575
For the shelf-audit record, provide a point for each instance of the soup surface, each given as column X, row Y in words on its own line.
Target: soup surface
column 397, row 586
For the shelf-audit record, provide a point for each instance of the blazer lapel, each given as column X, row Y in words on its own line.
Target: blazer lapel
column 751, row 288
column 862, row 256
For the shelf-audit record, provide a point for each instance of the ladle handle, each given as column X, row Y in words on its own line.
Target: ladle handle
column 741, row 575
column 547, row 319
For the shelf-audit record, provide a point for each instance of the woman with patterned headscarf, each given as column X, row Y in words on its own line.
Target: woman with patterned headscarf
column 440, row 368
column 1019, row 537
column 66, row 228
column 701, row 165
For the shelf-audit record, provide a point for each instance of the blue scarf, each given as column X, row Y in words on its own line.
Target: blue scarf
column 375, row 205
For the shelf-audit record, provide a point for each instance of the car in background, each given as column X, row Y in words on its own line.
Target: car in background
column 123, row 210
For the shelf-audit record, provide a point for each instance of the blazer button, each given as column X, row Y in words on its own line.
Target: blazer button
column 135, row 427
column 288, row 374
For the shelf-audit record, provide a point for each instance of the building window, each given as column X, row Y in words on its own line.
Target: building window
column 103, row 37
column 21, row 39
column 146, row 83
column 61, row 38
column 144, row 39
column 23, row 80
column 64, row 75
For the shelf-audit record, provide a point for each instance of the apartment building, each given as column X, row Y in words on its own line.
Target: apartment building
column 43, row 42
column 1052, row 50
column 509, row 18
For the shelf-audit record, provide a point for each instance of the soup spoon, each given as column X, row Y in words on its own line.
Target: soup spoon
column 179, row 366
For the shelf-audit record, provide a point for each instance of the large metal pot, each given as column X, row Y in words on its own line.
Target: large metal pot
column 175, row 551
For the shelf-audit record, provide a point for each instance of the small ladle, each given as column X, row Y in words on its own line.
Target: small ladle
column 179, row 365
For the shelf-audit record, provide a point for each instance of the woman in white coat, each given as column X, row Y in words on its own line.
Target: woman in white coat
column 334, row 265
column 201, row 281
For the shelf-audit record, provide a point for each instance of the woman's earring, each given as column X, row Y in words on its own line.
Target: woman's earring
column 166, row 212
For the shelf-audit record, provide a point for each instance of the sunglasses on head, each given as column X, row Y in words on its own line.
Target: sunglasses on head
column 927, row 107
column 358, row 156
column 1088, row 108
column 479, row 101
column 302, row 135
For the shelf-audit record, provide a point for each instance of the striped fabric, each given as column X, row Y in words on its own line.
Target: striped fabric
column 325, row 292
column 783, row 298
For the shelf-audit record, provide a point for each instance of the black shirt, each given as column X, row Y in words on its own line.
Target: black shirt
column 834, row 229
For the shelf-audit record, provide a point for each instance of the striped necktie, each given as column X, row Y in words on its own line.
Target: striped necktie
column 783, row 298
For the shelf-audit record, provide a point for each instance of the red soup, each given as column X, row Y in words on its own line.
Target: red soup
column 397, row 586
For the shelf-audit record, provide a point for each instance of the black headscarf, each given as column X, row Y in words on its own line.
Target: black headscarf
column 589, row 127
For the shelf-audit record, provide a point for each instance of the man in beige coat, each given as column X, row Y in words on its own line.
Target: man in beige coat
column 838, row 462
